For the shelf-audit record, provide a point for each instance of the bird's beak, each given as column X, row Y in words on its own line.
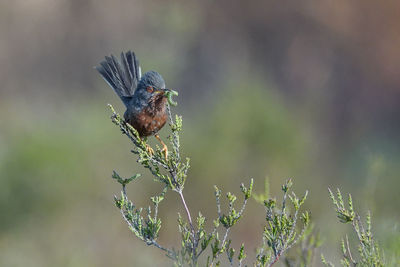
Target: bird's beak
column 169, row 93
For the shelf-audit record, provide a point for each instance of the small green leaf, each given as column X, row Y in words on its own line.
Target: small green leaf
column 241, row 255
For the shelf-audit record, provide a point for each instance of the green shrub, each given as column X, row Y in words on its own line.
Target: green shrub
column 286, row 224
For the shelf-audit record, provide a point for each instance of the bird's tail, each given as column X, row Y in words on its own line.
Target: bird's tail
column 122, row 76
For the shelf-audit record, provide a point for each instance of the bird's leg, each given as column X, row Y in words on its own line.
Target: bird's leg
column 165, row 148
column 149, row 149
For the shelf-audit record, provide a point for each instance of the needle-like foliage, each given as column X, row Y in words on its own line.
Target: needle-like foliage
column 286, row 224
column 368, row 250
column 281, row 231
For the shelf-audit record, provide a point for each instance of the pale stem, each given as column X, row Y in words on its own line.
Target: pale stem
column 187, row 211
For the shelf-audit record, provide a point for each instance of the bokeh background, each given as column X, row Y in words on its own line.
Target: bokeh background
column 308, row 90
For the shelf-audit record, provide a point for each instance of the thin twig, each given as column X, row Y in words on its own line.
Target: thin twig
column 187, row 210
column 193, row 232
column 148, row 242
column 275, row 259
column 174, row 135
column 349, row 252
column 225, row 236
column 154, row 243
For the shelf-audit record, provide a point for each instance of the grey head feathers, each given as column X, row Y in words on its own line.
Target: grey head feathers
column 151, row 78
column 141, row 97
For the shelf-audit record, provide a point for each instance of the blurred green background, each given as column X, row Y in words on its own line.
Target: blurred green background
column 308, row 90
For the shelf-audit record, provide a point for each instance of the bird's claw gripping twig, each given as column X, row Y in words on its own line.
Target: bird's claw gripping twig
column 149, row 149
column 164, row 150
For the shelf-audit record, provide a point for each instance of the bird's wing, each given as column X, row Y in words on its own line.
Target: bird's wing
column 122, row 76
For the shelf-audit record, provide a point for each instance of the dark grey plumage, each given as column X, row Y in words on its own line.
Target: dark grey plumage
column 151, row 78
column 145, row 97
column 123, row 79
column 141, row 96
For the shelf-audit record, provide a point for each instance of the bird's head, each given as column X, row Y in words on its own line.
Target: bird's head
column 151, row 79
column 152, row 83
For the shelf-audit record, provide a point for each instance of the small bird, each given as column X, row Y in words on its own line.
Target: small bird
column 145, row 97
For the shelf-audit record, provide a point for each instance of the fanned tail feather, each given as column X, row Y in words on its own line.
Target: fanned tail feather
column 123, row 79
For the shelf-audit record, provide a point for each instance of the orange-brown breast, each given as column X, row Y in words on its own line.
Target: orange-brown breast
column 152, row 118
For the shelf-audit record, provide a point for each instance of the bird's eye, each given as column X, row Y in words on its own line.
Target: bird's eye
column 150, row 89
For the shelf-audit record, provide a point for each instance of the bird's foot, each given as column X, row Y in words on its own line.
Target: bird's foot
column 164, row 151
column 149, row 149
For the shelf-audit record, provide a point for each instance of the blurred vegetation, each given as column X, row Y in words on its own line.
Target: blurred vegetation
column 308, row 91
